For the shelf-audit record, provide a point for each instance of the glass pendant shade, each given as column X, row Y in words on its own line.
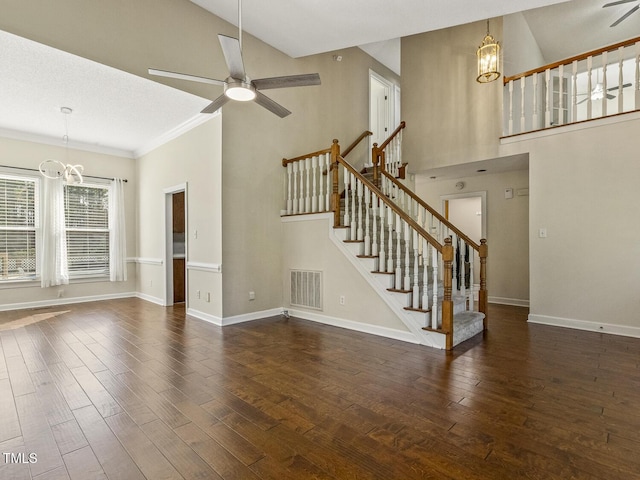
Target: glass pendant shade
column 488, row 59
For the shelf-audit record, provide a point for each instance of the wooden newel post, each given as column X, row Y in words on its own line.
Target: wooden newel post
column 447, row 302
column 375, row 158
column 335, row 195
column 482, row 294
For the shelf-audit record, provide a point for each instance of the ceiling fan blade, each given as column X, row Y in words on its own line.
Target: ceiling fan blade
column 216, row 104
column 270, row 105
column 610, row 97
column 619, row 2
column 303, row 80
column 233, row 56
column 618, row 86
column 184, row 76
column 625, row 16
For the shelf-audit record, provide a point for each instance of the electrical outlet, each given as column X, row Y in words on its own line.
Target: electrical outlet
column 252, row 295
column 208, row 297
column 342, row 300
column 542, row 233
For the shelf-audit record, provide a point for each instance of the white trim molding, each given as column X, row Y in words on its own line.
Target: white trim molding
column 515, row 302
column 623, row 330
column 65, row 301
column 149, row 261
column 223, row 322
column 402, row 335
column 150, row 298
column 204, row 267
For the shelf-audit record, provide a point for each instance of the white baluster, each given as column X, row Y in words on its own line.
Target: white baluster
column 534, row 120
column 407, row 257
column 375, row 213
column 574, row 93
column 426, row 259
column 367, row 227
column 589, row 85
column 637, row 89
column 354, row 222
column 295, row 188
column 289, row 180
column 307, row 173
column 398, row 270
column 390, row 218
column 510, row 107
column 547, row 113
column 327, row 200
column 523, row 84
column 472, row 255
column 454, row 244
column 383, row 259
column 604, row 84
column 360, row 233
column 434, row 305
column 415, row 296
column 314, row 198
column 620, row 80
column 560, row 94
column 347, row 212
column 464, row 249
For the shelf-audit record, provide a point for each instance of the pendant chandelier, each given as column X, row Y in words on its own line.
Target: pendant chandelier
column 54, row 169
column 488, row 59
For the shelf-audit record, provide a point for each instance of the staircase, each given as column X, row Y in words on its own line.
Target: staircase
column 417, row 262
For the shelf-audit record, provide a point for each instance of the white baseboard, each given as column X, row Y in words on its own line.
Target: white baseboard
column 248, row 317
column 65, row 301
column 149, row 298
column 405, row 336
column 225, row 321
column 516, row 302
column 207, row 317
column 609, row 328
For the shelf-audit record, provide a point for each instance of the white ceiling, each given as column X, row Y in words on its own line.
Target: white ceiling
column 125, row 114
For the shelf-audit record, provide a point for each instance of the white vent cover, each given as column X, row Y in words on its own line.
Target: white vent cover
column 306, row 289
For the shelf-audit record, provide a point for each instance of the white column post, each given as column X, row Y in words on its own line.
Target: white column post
column 415, row 296
column 434, row 305
column 382, row 263
column 307, row 174
column 289, row 181
column 314, row 198
column 367, row 227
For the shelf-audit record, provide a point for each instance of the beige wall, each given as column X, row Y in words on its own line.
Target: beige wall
column 194, row 159
column 29, row 155
column 309, row 247
column 507, row 229
column 451, row 119
column 584, row 191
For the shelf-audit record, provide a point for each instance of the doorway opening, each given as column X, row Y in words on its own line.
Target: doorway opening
column 176, row 245
column 468, row 212
column 384, row 108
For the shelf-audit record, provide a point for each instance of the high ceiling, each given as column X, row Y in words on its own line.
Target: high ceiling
column 119, row 111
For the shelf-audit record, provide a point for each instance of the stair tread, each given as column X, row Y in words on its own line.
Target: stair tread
column 398, row 290
column 367, row 256
column 383, row 273
column 353, row 241
column 419, row 310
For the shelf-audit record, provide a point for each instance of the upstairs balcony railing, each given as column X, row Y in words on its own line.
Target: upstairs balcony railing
column 596, row 84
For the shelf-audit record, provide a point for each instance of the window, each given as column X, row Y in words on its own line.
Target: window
column 87, row 226
column 18, row 228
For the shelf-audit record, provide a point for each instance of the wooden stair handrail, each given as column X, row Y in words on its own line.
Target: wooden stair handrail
column 286, row 161
column 392, row 136
column 433, row 212
column 410, row 221
column 362, row 136
column 582, row 56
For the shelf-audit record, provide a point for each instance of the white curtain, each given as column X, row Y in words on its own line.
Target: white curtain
column 117, row 237
column 54, row 269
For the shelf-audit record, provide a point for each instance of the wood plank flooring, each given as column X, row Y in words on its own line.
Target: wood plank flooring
column 125, row 389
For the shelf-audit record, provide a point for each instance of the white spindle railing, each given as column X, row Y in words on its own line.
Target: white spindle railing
column 593, row 85
column 308, row 184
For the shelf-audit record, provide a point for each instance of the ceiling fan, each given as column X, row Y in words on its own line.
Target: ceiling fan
column 623, row 17
column 598, row 92
column 238, row 86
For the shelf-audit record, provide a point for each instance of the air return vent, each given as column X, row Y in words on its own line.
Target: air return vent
column 306, row 289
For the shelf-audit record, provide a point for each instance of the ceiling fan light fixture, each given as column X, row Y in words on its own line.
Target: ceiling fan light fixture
column 598, row 92
column 239, row 90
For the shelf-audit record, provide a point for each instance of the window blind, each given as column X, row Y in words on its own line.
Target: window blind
column 87, row 228
column 18, row 228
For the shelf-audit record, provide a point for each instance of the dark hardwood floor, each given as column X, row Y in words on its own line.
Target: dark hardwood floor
column 125, row 389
